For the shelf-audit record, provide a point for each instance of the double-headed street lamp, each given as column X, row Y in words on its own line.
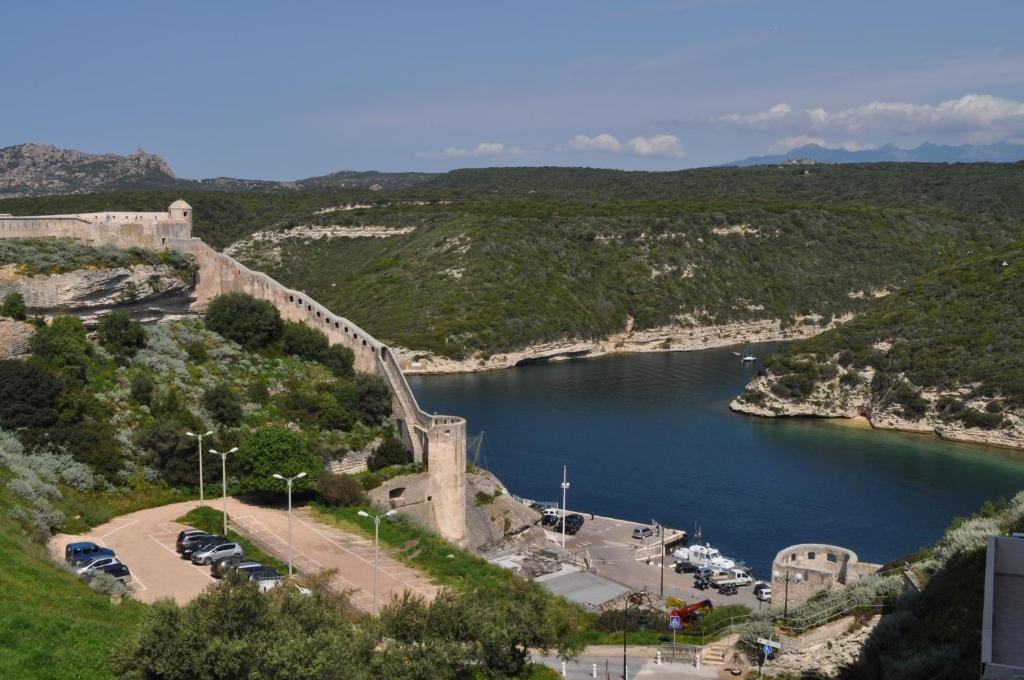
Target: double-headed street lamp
column 787, row 578
column 224, row 481
column 289, row 480
column 565, row 487
column 199, row 437
column 638, row 599
column 376, row 548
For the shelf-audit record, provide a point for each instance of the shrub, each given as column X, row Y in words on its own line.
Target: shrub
column 340, row 360
column 223, row 404
column 107, row 584
column 13, row 306
column 121, row 336
column 308, row 343
column 252, row 323
column 391, row 451
column 974, row 418
column 141, row 389
column 340, row 490
column 28, row 395
column 64, row 346
column 275, row 450
column 374, row 398
column 196, row 351
column 176, row 453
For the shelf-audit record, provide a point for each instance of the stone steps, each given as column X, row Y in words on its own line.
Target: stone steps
column 713, row 655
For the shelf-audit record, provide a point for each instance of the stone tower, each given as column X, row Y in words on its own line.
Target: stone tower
column 180, row 211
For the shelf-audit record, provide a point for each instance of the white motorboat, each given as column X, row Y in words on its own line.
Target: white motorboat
column 749, row 359
column 703, row 555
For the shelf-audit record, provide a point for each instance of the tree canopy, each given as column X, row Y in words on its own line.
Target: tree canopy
column 275, row 450
column 251, row 323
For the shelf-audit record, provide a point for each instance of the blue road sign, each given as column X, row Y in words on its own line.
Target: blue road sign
column 767, row 649
column 675, row 622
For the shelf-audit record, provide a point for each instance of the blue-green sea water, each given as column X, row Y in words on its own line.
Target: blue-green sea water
column 651, row 436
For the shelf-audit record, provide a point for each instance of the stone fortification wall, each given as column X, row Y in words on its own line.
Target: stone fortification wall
column 439, row 441
column 819, row 566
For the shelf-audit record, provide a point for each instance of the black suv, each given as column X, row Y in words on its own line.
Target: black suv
column 191, row 546
column 573, row 523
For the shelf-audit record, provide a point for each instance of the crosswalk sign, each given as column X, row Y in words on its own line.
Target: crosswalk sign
column 675, row 622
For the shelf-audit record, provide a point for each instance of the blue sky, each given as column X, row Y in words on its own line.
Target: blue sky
column 286, row 90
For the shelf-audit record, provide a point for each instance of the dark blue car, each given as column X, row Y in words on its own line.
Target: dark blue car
column 77, row 553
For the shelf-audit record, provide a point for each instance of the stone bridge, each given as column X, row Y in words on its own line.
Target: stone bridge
column 438, row 441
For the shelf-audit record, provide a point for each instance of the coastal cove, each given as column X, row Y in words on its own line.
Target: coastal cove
column 651, row 436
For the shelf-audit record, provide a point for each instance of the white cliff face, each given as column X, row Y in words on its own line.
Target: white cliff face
column 147, row 292
column 14, row 338
column 834, row 399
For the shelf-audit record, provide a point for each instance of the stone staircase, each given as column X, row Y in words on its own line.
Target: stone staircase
column 713, row 655
column 410, row 409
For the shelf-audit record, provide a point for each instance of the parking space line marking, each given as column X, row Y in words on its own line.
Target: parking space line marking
column 126, row 524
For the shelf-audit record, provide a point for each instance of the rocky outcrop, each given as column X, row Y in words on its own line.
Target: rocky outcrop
column 824, row 651
column 839, row 398
column 683, row 335
column 14, row 337
column 41, row 169
column 147, row 292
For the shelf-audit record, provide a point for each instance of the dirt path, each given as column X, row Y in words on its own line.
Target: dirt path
column 144, row 540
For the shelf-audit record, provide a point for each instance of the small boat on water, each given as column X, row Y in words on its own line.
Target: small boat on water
column 703, row 555
column 737, row 354
column 749, row 359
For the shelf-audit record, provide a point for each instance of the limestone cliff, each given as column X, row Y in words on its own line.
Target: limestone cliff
column 14, row 337
column 148, row 292
column 848, row 394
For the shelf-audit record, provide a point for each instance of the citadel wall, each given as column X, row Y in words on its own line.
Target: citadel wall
column 438, row 441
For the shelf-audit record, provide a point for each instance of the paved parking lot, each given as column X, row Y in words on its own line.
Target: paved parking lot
column 144, row 540
column 611, row 546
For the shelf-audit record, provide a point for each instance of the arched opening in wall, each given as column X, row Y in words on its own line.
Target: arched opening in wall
column 318, row 314
column 810, row 555
column 373, row 350
column 396, row 493
column 364, row 343
column 832, row 557
column 291, row 298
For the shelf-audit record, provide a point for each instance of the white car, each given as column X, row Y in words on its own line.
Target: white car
column 215, row 551
column 96, row 564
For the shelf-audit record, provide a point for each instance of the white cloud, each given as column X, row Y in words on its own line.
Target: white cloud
column 604, row 142
column 655, row 145
column 796, row 141
column 976, row 118
column 483, row 149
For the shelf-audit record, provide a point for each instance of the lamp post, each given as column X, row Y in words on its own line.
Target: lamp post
column 565, row 487
column 289, row 480
column 787, row 578
column 636, row 599
column 199, row 437
column 376, row 548
column 224, row 482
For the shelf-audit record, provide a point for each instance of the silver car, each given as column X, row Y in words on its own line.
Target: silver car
column 86, row 568
column 215, row 551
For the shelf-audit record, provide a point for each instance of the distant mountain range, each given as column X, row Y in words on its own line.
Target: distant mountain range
column 42, row 170
column 926, row 153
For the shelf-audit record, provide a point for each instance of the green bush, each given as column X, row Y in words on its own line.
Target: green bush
column 340, row 490
column 391, row 451
column 223, row 404
column 275, row 450
column 120, row 335
column 308, row 343
column 141, row 389
column 29, row 395
column 252, row 323
column 983, row 419
column 13, row 306
column 63, row 345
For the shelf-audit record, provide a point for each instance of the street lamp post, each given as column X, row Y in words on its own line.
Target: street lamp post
column 224, row 482
column 199, row 438
column 636, row 599
column 787, row 578
column 289, row 480
column 376, row 548
column 565, row 487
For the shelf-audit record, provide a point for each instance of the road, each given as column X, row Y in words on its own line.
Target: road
column 638, row 668
column 144, row 540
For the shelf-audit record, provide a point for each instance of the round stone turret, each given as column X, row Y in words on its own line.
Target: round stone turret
column 180, row 211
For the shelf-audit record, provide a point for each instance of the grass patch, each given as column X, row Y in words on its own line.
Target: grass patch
column 87, row 509
column 208, row 519
column 51, row 624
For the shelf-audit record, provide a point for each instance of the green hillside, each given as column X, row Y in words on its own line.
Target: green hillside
column 501, row 258
column 957, row 327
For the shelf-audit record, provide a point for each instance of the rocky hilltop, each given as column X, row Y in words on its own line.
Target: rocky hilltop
column 40, row 169
column 941, row 356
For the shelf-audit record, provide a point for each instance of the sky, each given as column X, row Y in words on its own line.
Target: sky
column 277, row 90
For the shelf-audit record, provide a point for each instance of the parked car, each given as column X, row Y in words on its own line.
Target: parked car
column 84, row 558
column 642, row 532
column 96, row 563
column 573, row 523
column 212, row 552
column 199, row 543
column 763, row 592
column 550, row 517
column 685, row 567
column 728, row 589
column 232, row 563
column 81, row 550
column 266, row 578
column 118, row 570
column 187, row 535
